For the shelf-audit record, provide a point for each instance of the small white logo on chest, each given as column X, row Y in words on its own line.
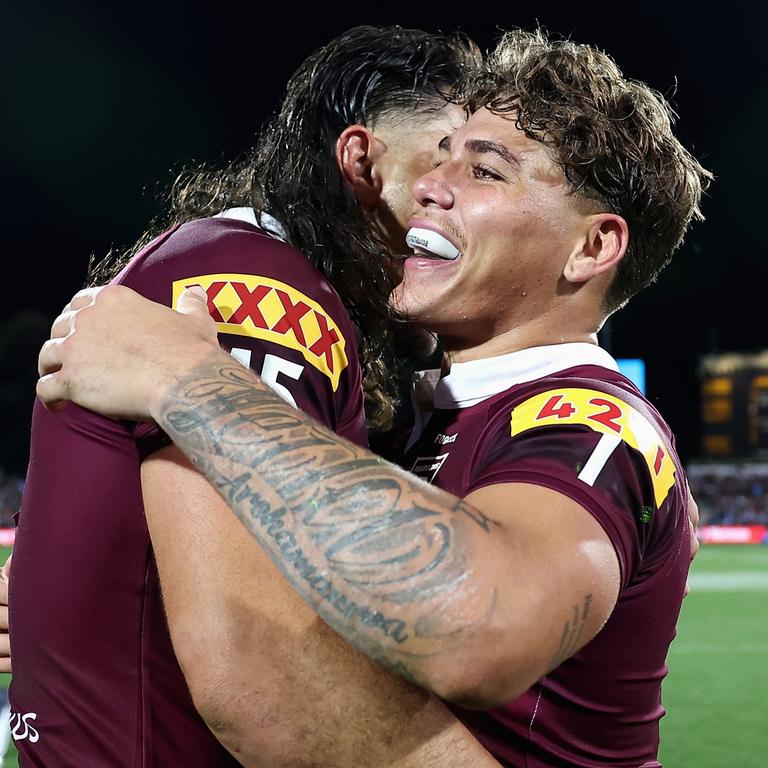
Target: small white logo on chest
column 426, row 467
column 443, row 439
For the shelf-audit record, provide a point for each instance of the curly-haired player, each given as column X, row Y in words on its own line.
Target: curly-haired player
column 535, row 582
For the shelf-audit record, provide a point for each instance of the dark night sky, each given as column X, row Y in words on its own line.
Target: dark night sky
column 102, row 104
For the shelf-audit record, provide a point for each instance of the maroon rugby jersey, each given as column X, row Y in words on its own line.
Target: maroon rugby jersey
column 95, row 678
column 562, row 416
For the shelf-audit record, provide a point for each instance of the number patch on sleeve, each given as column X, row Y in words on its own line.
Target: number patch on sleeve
column 605, row 414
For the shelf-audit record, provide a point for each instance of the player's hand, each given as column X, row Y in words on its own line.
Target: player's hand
column 693, row 517
column 115, row 352
column 5, row 642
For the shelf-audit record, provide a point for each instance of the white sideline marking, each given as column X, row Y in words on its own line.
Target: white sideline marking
column 728, row 648
column 732, row 581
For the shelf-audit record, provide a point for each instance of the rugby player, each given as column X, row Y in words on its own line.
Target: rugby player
column 96, row 681
column 536, row 582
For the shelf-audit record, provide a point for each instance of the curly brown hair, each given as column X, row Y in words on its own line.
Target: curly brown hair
column 611, row 136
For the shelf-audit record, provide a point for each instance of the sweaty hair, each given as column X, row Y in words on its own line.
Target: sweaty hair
column 611, row 136
column 364, row 75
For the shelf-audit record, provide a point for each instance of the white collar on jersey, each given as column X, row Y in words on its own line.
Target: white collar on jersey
column 259, row 219
column 472, row 382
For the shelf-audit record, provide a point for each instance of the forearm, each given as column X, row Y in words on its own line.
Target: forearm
column 273, row 682
column 389, row 562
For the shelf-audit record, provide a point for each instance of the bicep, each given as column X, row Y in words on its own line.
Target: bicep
column 208, row 564
column 557, row 575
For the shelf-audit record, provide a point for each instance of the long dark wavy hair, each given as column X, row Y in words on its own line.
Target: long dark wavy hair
column 612, row 136
column 365, row 74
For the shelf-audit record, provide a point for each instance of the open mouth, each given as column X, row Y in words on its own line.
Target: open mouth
column 427, row 242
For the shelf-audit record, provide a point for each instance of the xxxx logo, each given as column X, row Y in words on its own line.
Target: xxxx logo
column 263, row 308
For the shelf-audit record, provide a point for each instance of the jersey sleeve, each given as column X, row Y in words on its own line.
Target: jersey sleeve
column 274, row 312
column 617, row 467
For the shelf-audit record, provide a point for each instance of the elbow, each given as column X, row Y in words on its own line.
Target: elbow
column 483, row 681
column 242, row 720
column 244, row 712
column 219, row 699
column 223, row 696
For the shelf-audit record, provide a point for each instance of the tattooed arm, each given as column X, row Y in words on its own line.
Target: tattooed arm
column 273, row 682
column 474, row 599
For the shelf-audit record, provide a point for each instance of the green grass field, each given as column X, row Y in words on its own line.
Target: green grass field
column 716, row 694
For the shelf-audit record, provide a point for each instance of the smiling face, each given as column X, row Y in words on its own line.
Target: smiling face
column 501, row 200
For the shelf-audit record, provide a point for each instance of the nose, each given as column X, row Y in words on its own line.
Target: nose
column 433, row 189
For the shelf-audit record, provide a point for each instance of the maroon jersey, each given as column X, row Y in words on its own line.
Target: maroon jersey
column 95, row 679
column 562, row 416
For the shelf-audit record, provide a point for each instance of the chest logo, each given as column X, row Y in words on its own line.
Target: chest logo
column 427, row 467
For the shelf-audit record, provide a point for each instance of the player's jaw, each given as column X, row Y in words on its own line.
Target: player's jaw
column 431, row 269
column 512, row 223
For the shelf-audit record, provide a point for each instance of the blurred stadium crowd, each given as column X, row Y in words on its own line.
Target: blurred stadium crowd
column 10, row 498
column 727, row 494
column 730, row 494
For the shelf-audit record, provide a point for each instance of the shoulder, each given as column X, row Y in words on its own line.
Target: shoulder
column 590, row 435
column 575, row 411
column 274, row 311
column 598, row 399
column 218, row 245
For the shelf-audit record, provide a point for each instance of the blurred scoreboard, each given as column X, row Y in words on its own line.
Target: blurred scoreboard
column 734, row 405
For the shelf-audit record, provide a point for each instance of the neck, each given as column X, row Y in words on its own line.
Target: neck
column 539, row 331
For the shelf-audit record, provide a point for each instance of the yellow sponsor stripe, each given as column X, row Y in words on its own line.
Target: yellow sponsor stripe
column 605, row 414
column 236, row 316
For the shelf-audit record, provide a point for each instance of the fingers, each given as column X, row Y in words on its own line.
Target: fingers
column 53, row 391
column 693, row 516
column 52, row 387
column 5, row 644
column 4, row 595
column 695, row 544
column 64, row 324
column 192, row 300
column 82, row 299
column 193, row 303
column 49, row 359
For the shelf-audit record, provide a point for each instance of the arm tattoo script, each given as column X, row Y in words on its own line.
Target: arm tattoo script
column 570, row 640
column 380, row 555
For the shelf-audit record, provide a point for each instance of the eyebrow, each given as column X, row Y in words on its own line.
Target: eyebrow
column 481, row 147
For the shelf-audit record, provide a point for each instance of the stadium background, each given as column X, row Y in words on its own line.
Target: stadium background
column 101, row 105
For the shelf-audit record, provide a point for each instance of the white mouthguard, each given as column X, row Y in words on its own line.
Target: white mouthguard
column 432, row 242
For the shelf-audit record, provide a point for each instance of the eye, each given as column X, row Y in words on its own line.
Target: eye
column 484, row 172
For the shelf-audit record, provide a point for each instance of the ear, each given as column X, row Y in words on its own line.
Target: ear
column 603, row 247
column 356, row 152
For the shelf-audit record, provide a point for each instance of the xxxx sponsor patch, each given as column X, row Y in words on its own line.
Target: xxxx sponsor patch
column 263, row 308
